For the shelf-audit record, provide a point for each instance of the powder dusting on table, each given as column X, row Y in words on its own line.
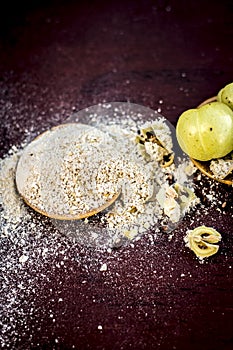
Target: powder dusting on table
column 31, row 242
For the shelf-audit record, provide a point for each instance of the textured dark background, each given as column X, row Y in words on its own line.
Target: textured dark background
column 57, row 57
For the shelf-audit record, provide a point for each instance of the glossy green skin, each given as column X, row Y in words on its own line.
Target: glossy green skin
column 207, row 132
column 226, row 95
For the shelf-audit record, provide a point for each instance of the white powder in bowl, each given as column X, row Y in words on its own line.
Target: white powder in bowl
column 68, row 171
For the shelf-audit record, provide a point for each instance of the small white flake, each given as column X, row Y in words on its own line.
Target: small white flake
column 100, row 327
column 23, row 259
column 103, row 267
column 45, row 251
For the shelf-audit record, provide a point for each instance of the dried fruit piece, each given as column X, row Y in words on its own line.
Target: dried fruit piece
column 176, row 200
column 153, row 147
column 202, row 241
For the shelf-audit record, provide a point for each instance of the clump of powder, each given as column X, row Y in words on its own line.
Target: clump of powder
column 139, row 208
column 13, row 208
column 221, row 168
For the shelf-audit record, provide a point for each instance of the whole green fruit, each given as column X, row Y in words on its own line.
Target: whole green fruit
column 225, row 95
column 207, row 132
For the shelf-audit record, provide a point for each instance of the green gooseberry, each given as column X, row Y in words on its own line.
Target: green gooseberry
column 207, row 132
column 225, row 95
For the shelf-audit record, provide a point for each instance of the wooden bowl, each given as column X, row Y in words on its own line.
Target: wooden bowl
column 204, row 167
column 20, row 174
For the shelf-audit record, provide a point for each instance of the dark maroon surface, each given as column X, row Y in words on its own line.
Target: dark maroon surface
column 59, row 57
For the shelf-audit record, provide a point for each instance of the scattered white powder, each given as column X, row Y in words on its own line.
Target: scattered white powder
column 29, row 241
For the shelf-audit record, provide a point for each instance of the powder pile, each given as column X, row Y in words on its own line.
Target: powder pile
column 68, row 171
column 142, row 205
column 221, row 168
